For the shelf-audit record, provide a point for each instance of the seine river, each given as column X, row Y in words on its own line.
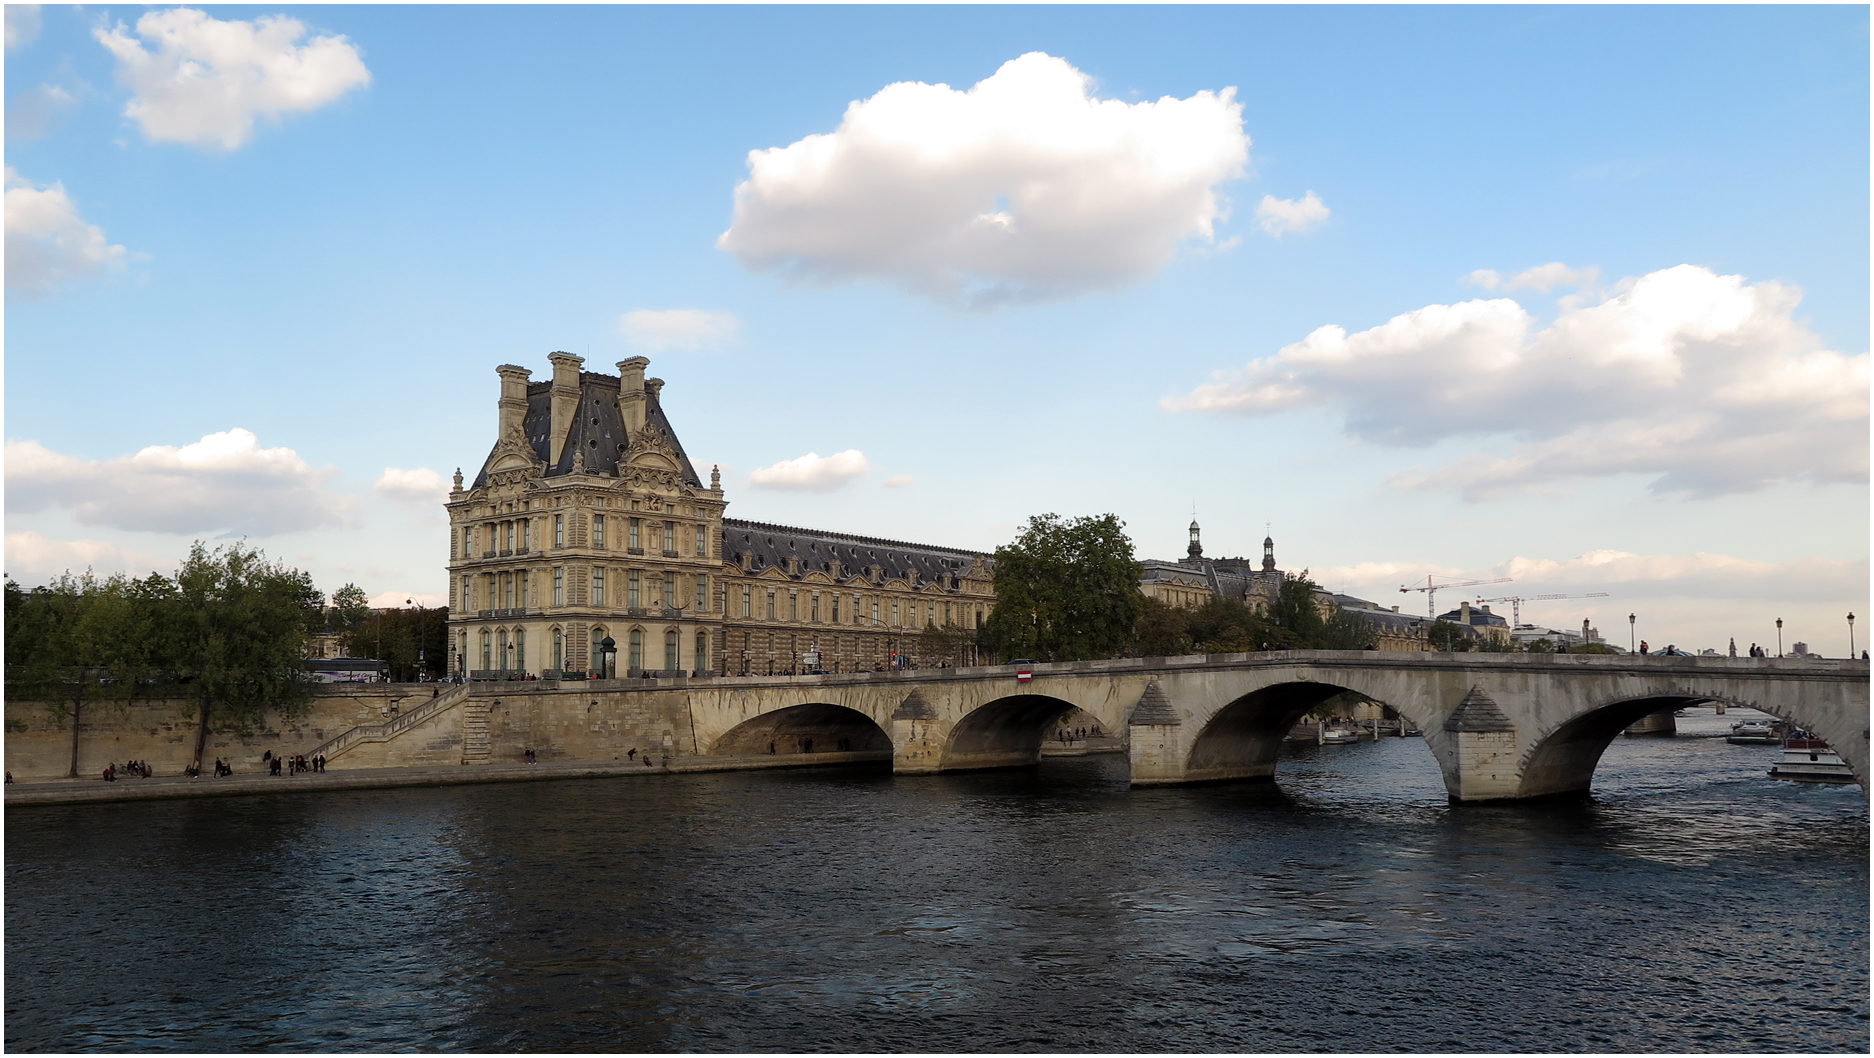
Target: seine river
column 1692, row 904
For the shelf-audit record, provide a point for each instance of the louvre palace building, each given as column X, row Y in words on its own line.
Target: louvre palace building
column 588, row 524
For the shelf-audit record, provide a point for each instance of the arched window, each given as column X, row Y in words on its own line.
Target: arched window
column 701, row 657
column 636, row 656
column 595, row 661
column 504, row 654
column 520, row 649
column 488, row 661
column 559, row 650
column 671, row 648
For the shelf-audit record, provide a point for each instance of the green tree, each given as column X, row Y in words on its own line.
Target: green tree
column 241, row 624
column 350, row 612
column 1448, row 635
column 1065, row 590
column 1162, row 631
column 1225, row 626
column 951, row 644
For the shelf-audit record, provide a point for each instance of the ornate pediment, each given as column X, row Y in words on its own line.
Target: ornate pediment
column 514, row 460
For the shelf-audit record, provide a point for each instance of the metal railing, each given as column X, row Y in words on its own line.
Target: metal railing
column 393, row 727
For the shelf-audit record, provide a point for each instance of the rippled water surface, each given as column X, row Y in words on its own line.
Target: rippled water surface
column 1692, row 904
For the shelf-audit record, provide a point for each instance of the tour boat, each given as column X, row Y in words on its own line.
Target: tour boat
column 1335, row 736
column 1807, row 759
column 1756, row 733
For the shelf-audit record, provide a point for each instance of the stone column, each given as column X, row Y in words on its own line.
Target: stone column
column 1157, row 742
column 1488, row 757
column 916, row 743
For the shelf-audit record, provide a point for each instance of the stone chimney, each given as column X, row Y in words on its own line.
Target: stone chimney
column 654, row 388
column 631, row 394
column 838, row 569
column 513, row 404
column 565, row 401
column 793, row 565
column 1464, row 612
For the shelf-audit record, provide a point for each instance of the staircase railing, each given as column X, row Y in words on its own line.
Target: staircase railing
column 393, row 727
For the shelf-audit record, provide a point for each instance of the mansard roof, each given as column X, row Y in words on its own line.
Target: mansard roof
column 597, row 430
column 770, row 546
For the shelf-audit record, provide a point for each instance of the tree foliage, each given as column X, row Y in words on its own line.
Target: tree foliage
column 347, row 616
column 949, row 644
column 1065, row 590
column 1163, row 631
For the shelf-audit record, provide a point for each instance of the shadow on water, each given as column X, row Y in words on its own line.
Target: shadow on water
column 1687, row 905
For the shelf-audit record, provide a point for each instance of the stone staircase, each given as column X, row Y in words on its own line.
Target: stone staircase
column 475, row 732
column 397, row 725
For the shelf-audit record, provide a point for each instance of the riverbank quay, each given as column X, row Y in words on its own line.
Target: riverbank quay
column 97, row 791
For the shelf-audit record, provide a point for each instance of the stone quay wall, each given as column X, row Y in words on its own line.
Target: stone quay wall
column 599, row 721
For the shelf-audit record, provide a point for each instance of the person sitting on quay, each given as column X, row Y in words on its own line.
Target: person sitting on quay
column 110, row 772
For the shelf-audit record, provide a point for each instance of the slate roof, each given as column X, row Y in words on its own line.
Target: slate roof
column 597, row 429
column 772, row 545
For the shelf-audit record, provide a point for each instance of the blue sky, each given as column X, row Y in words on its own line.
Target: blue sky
column 333, row 233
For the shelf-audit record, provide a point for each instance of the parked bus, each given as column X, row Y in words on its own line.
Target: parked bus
column 348, row 670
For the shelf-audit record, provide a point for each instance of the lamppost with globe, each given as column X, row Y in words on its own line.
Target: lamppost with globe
column 1779, row 637
column 1633, row 644
column 1851, row 636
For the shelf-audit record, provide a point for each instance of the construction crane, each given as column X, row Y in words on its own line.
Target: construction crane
column 1516, row 602
column 1431, row 590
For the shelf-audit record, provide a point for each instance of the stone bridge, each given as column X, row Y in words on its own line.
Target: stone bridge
column 1502, row 726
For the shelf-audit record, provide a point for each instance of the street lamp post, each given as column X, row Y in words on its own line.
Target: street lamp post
column 1779, row 637
column 1851, row 636
column 1632, row 643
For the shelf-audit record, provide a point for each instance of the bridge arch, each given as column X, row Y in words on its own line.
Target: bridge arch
column 1562, row 760
column 1243, row 740
column 812, row 727
column 1003, row 732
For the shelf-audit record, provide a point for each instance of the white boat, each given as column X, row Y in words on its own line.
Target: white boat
column 1808, row 759
column 1756, row 733
column 1335, row 736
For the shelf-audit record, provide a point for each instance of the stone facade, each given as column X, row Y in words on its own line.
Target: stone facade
column 587, row 522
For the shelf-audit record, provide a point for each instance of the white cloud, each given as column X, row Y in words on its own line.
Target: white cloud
column 47, row 242
column 418, row 487
column 1705, row 383
column 206, row 80
column 810, row 473
column 1024, row 188
column 688, row 329
column 223, row 483
column 22, row 25
column 1542, row 277
column 1695, row 600
column 32, row 113
column 898, row 481
column 33, row 559
column 1279, row 215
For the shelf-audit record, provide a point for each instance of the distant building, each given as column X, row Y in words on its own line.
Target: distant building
column 1392, row 630
column 1478, row 619
column 1194, row 580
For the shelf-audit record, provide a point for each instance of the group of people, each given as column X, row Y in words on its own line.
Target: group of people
column 528, row 757
column 1076, row 734
column 292, row 765
column 139, row 768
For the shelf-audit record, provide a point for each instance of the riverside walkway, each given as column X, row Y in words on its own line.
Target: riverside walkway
column 130, row 788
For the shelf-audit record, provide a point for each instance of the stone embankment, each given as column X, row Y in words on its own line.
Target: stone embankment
column 130, row 788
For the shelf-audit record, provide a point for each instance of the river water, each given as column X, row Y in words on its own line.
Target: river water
column 1690, row 904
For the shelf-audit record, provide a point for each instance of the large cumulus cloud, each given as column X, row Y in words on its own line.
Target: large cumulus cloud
column 1025, row 187
column 1706, row 384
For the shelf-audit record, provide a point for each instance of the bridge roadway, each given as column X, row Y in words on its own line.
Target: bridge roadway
column 1502, row 726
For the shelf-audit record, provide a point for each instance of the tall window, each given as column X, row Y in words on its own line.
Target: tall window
column 895, row 621
column 488, row 661
column 468, row 541
column 559, row 530
column 703, row 601
column 875, row 610
column 465, row 602
column 598, row 530
column 522, row 600
column 520, row 649
column 631, row 532
column 671, row 661
column 793, row 606
column 813, row 608
column 527, row 525
column 507, row 536
column 636, row 657
column 504, row 650
column 598, row 585
column 701, row 657
column 702, row 545
column 559, row 650
column 670, row 589
column 748, row 604
column 507, row 590
column 559, row 585
column 770, row 604
column 670, row 537
column 634, row 598
column 835, row 614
